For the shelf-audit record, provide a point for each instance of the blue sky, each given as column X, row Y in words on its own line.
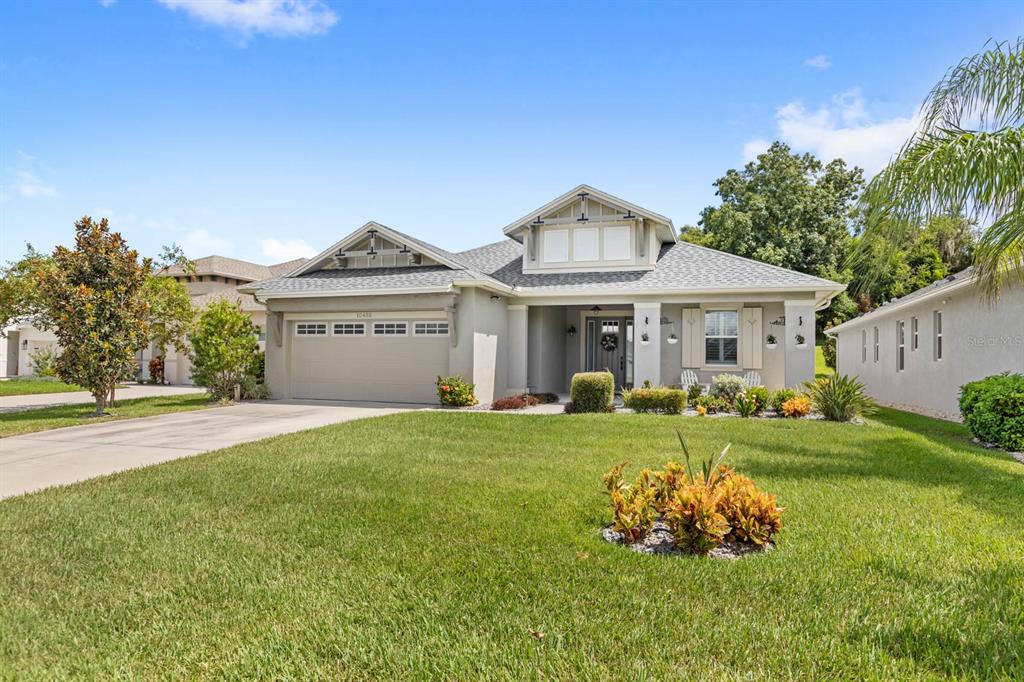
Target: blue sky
column 269, row 131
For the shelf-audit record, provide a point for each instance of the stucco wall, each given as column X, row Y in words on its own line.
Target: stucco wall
column 548, row 333
column 978, row 341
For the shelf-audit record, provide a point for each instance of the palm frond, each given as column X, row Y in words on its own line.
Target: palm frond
column 989, row 86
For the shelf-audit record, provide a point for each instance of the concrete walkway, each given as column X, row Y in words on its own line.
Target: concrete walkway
column 17, row 403
column 61, row 456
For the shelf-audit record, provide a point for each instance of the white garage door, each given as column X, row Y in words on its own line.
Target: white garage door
column 391, row 360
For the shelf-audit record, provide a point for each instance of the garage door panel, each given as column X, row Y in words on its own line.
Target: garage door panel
column 370, row 368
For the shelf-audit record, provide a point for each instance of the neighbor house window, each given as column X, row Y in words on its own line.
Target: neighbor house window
column 262, row 333
column 938, row 334
column 721, row 337
column 349, row 329
column 876, row 344
column 913, row 333
column 901, row 345
column 430, row 329
column 390, row 328
column 863, row 345
column 311, row 329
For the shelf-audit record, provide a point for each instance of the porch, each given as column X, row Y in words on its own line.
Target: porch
column 659, row 341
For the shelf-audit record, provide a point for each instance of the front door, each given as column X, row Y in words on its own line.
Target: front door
column 609, row 346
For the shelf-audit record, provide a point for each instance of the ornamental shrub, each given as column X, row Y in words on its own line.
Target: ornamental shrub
column 839, row 398
column 779, row 397
column 514, row 402
column 694, row 392
column 43, row 361
column 746, row 404
column 454, row 391
column 592, row 392
column 712, row 404
column 659, row 400
column 800, row 406
column 727, row 386
column 762, row 395
column 225, row 345
column 633, row 511
column 993, row 410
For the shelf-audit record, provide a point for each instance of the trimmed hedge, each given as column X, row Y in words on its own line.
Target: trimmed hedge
column 660, row 400
column 592, row 391
column 993, row 409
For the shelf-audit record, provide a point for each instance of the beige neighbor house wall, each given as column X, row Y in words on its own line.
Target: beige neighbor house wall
column 978, row 340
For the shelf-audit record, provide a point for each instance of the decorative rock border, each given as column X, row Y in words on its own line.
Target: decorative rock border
column 660, row 541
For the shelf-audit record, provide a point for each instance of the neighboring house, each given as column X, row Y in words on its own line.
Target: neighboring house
column 585, row 282
column 20, row 342
column 215, row 278
column 917, row 351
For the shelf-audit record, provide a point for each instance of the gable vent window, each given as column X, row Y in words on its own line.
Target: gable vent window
column 311, row 329
column 901, row 345
column 937, row 322
column 430, row 329
column 349, row 329
column 390, row 329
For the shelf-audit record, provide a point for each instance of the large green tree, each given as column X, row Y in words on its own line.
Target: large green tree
column 967, row 156
column 225, row 348
column 171, row 315
column 93, row 297
column 785, row 209
column 20, row 295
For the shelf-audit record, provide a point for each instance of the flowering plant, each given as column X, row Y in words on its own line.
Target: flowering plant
column 454, row 391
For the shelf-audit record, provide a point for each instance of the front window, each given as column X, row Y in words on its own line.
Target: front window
column 721, row 337
column 913, row 333
column 938, row 334
column 901, row 345
column 876, row 344
column 863, row 345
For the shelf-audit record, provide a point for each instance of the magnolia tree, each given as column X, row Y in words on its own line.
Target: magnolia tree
column 225, row 348
column 94, row 303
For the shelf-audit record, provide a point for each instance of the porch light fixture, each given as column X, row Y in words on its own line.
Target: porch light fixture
column 572, row 331
column 495, row 298
column 596, row 309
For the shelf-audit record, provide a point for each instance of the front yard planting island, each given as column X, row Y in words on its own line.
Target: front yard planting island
column 468, row 546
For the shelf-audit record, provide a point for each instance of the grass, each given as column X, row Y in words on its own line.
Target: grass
column 821, row 370
column 35, row 386
column 44, row 418
column 440, row 545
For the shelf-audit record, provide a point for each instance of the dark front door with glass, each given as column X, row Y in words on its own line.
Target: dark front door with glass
column 609, row 346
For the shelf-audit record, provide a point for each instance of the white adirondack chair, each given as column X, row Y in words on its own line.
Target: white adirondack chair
column 752, row 379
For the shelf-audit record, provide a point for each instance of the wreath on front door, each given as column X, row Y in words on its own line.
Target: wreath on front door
column 610, row 342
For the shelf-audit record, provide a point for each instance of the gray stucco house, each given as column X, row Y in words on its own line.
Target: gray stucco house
column 587, row 281
column 917, row 351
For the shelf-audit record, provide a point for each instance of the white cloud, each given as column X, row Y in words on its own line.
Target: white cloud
column 818, row 61
column 248, row 17
column 754, row 147
column 843, row 129
column 31, row 187
column 107, row 3
column 279, row 252
column 200, row 243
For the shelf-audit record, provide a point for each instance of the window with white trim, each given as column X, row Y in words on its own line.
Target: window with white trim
column 901, row 345
column 863, row 345
column 937, row 326
column 876, row 344
column 349, row 329
column 721, row 337
column 431, row 328
column 390, row 329
column 913, row 334
column 311, row 329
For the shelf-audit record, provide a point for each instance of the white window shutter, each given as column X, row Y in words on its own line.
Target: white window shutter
column 693, row 337
column 751, row 338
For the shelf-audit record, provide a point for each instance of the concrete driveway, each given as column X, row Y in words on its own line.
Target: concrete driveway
column 17, row 403
column 61, row 456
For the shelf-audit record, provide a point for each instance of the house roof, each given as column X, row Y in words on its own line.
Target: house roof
column 247, row 301
column 236, row 269
column 681, row 267
column 940, row 287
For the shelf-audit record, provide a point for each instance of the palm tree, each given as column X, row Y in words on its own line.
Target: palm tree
column 967, row 157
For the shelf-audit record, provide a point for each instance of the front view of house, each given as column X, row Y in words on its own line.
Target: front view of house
column 585, row 282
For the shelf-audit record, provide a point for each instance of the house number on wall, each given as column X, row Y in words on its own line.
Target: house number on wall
column 363, row 315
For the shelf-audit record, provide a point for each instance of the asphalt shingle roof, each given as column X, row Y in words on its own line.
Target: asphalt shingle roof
column 237, row 269
column 680, row 266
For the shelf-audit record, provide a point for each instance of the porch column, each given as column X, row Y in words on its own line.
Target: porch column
column 646, row 357
column 799, row 361
column 518, row 344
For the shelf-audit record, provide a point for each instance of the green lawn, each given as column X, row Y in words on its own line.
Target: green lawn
column 434, row 545
column 43, row 418
column 35, row 386
column 820, row 368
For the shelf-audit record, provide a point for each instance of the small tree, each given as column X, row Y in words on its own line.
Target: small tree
column 20, row 295
column 93, row 301
column 225, row 348
column 171, row 316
